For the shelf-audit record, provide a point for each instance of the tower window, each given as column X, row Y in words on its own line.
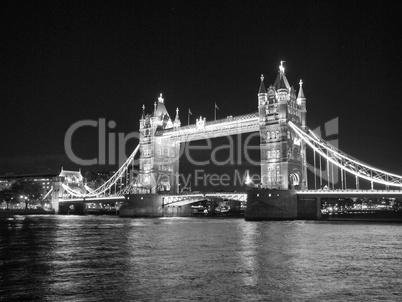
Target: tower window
column 277, row 153
column 272, row 134
column 268, row 154
column 268, row 135
column 277, row 134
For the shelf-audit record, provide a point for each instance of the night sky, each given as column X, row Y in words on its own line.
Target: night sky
column 66, row 61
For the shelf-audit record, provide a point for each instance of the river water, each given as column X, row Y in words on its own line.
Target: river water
column 107, row 258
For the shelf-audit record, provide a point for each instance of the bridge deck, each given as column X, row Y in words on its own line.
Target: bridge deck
column 181, row 199
column 92, row 199
column 350, row 193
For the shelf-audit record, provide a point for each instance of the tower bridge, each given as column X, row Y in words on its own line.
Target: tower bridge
column 283, row 192
column 282, row 154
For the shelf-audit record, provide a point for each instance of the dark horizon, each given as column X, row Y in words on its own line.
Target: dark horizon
column 67, row 62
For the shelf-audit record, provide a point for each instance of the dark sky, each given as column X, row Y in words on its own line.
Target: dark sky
column 66, row 61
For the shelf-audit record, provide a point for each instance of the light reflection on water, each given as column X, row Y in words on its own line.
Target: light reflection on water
column 102, row 258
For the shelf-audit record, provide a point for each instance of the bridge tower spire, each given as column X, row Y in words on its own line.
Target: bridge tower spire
column 177, row 122
column 262, row 97
column 282, row 153
column 301, row 100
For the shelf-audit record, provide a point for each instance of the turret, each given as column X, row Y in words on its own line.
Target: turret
column 262, row 99
column 154, row 114
column 301, row 101
column 142, row 120
column 283, row 92
column 262, row 92
column 177, row 122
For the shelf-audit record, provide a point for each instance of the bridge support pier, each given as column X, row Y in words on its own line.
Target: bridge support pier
column 266, row 204
column 151, row 205
column 178, row 211
column 142, row 205
column 56, row 206
column 55, row 197
column 308, row 208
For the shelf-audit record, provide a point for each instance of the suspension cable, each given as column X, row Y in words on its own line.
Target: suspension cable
column 346, row 162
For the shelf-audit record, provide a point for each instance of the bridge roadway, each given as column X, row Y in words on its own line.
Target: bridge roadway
column 179, row 200
column 182, row 199
column 171, row 200
column 93, row 199
column 350, row 193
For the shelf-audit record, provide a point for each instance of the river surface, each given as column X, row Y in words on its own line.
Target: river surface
column 107, row 258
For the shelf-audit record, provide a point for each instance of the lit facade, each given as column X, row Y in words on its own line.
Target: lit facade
column 44, row 181
column 159, row 155
column 283, row 153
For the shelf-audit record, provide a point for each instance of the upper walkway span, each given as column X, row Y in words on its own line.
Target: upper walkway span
column 204, row 130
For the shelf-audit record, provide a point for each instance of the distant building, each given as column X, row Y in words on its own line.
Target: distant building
column 45, row 181
column 4, row 184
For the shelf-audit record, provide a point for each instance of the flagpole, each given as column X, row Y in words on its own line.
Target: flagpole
column 188, row 115
column 216, row 107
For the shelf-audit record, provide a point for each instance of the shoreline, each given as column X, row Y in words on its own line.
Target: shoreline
column 10, row 213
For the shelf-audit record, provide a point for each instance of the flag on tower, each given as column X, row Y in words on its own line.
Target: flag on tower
column 216, row 107
column 188, row 116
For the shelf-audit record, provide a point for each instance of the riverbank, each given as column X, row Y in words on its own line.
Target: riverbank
column 9, row 213
column 366, row 216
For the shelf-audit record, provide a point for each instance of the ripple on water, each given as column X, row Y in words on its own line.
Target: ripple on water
column 92, row 258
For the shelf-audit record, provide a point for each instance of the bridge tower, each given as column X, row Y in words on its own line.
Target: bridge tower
column 159, row 157
column 283, row 154
column 73, row 180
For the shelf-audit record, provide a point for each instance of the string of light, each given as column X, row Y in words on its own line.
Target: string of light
column 343, row 160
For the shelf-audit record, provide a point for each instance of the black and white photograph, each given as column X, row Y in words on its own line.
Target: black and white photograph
column 200, row 150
